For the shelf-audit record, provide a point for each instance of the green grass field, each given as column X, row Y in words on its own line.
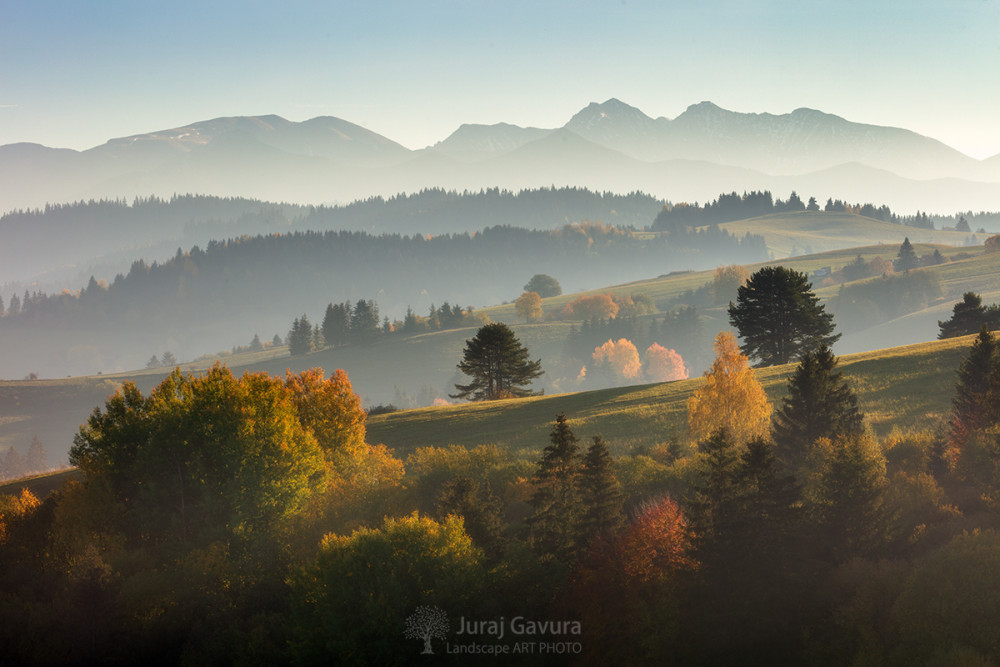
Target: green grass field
column 899, row 388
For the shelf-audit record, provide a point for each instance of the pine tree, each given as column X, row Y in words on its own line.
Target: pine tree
column 976, row 389
column 779, row 317
column 555, row 501
column 13, row 464
column 906, row 259
column 845, row 492
column 300, row 338
column 600, row 495
column 820, row 404
column 498, row 364
column 37, row 460
column 968, row 316
column 336, row 324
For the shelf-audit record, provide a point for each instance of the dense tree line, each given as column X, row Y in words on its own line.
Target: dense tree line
column 344, row 324
column 253, row 283
column 226, row 519
column 733, row 206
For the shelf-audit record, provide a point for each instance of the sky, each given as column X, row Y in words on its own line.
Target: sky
column 75, row 74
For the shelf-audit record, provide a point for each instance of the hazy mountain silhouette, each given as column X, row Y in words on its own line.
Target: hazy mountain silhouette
column 610, row 145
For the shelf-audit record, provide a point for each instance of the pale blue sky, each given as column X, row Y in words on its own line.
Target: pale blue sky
column 74, row 74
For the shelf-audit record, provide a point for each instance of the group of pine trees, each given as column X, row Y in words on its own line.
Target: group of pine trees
column 733, row 206
column 14, row 466
column 358, row 324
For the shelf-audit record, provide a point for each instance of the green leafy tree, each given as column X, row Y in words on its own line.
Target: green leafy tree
column 820, row 404
column 498, row 364
column 779, row 317
column 481, row 510
column 600, row 495
column 544, row 285
column 353, row 601
column 947, row 608
column 556, row 501
column 202, row 458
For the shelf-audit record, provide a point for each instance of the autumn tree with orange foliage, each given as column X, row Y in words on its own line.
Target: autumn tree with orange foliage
column 587, row 307
column 620, row 359
column 626, row 588
column 663, row 365
column 731, row 397
column 529, row 306
column 328, row 408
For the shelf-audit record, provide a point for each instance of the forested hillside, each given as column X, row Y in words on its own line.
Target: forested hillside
column 104, row 237
column 214, row 298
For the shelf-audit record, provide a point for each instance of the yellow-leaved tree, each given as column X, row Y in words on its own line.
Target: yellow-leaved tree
column 731, row 398
column 529, row 306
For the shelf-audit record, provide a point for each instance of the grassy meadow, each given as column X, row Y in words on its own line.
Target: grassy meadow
column 898, row 388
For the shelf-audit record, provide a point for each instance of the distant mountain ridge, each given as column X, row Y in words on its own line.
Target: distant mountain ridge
column 614, row 146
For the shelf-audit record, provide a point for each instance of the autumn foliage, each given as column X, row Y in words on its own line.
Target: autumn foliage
column 731, row 398
column 621, row 356
column 663, row 365
column 587, row 307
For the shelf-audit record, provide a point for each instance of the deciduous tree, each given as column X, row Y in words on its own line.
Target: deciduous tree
column 620, row 358
column 529, row 306
column 731, row 397
column 544, row 285
column 587, row 307
column 663, row 365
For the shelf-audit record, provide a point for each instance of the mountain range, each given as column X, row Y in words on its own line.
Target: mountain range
column 609, row 146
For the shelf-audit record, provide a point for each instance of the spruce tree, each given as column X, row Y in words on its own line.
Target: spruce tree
column 968, row 316
column 555, row 502
column 820, row 404
column 37, row 460
column 481, row 509
column 906, row 259
column 976, row 389
column 600, row 495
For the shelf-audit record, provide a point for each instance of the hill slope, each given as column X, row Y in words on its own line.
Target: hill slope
column 905, row 387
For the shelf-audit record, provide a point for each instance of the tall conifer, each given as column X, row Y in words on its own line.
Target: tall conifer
column 600, row 494
column 556, row 499
column 820, row 404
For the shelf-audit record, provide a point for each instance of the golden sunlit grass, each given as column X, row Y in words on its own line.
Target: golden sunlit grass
column 906, row 387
